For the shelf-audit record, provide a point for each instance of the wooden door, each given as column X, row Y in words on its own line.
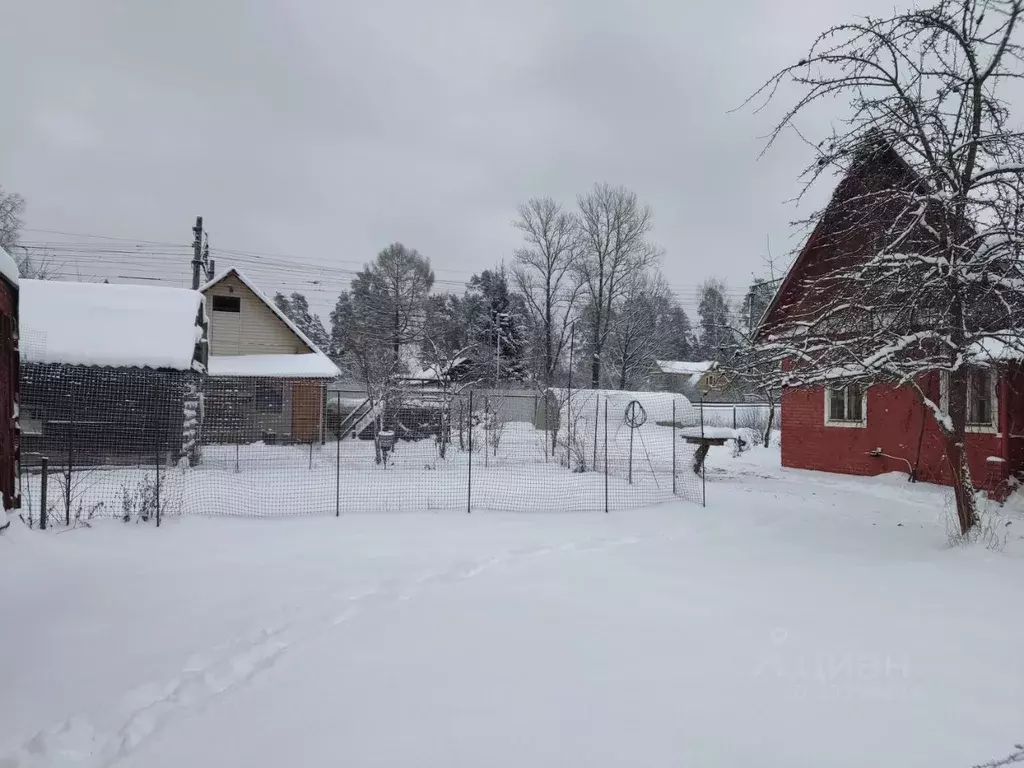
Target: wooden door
column 307, row 402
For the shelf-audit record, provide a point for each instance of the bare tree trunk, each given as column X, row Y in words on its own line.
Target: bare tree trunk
column 956, row 452
column 549, row 361
column 771, row 419
column 595, row 361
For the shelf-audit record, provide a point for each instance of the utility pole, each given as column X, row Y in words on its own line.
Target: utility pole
column 208, row 266
column 500, row 317
column 197, row 251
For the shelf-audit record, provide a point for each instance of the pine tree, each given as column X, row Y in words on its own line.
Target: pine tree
column 717, row 340
column 296, row 309
column 496, row 317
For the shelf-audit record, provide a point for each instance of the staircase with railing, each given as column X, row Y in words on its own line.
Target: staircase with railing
column 359, row 419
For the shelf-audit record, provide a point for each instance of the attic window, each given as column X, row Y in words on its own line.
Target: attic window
column 227, row 304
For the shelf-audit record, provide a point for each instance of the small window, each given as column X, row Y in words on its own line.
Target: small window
column 227, row 304
column 980, row 389
column 268, row 398
column 845, row 405
column 981, row 399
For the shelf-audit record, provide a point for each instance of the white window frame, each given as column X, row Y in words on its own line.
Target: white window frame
column 830, row 422
column 986, row 429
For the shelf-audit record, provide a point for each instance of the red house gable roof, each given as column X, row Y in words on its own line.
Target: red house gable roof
column 850, row 208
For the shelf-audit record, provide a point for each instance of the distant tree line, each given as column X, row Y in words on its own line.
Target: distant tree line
column 584, row 293
column 584, row 289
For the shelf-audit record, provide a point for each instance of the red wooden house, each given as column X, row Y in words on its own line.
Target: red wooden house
column 883, row 428
column 9, row 443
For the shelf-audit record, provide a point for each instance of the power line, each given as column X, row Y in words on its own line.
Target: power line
column 154, row 260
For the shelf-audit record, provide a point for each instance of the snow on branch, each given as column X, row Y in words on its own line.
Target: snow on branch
column 916, row 265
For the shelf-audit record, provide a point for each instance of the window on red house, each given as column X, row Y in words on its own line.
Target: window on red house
column 981, row 398
column 846, row 404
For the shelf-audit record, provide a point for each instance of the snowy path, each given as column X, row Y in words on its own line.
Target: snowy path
column 825, row 624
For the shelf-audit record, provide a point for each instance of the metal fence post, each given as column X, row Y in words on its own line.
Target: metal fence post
column 462, row 423
column 675, row 426
column 469, row 484
column 605, row 455
column 487, row 426
column 42, row 493
column 597, row 419
column 630, row 472
column 703, row 464
column 547, row 416
column 734, row 417
column 70, row 470
column 158, row 476
column 337, row 465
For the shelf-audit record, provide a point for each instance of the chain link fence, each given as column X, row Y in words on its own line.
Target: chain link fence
column 144, row 445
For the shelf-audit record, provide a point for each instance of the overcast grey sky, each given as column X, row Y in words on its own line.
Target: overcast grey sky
column 322, row 130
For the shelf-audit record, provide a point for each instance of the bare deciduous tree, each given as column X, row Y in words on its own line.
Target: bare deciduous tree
column 637, row 330
column 919, row 269
column 37, row 264
column 545, row 274
column 12, row 205
column 613, row 232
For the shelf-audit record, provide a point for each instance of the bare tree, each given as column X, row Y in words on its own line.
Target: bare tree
column 445, row 351
column 444, row 362
column 917, row 271
column 34, row 263
column 752, row 370
column 613, row 231
column 378, row 373
column 637, row 331
column 12, row 205
column 546, row 275
column 1017, row 756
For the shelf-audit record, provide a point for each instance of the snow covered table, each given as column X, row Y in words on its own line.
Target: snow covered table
column 704, row 438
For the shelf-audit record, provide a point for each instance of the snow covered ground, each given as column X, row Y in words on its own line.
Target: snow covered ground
column 800, row 619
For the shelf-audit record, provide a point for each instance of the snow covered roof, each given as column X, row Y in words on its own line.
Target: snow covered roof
column 1005, row 348
column 8, row 267
column 430, row 373
column 273, row 307
column 313, row 365
column 684, row 367
column 121, row 326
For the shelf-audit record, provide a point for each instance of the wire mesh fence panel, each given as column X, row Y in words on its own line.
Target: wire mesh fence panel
column 519, row 462
column 139, row 444
column 113, row 439
column 262, row 449
column 639, row 456
column 754, row 416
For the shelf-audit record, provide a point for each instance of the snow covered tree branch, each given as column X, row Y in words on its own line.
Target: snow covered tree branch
column 914, row 267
